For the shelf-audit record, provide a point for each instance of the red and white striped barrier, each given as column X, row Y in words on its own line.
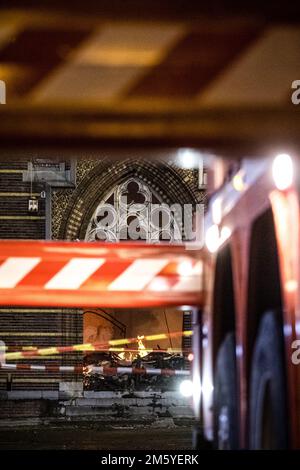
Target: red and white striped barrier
column 79, row 274
column 93, row 370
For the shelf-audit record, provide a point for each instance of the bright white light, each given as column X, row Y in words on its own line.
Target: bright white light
column 188, row 158
column 159, row 284
column 212, row 238
column 186, row 388
column 207, row 387
column 288, row 330
column 238, row 182
column 225, row 234
column 185, row 268
column 185, row 308
column 283, row 171
column 239, row 350
column 216, row 211
column 196, row 390
column 291, row 285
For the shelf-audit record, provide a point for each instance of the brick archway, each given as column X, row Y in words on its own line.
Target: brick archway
column 174, row 185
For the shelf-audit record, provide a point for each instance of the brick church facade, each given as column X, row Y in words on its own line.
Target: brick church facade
column 57, row 200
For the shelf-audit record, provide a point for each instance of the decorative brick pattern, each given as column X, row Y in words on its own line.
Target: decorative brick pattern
column 21, row 327
column 15, row 219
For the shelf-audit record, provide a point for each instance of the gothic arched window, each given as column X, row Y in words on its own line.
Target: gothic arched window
column 131, row 211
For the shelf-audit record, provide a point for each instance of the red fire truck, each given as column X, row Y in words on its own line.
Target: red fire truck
column 246, row 310
column 246, row 387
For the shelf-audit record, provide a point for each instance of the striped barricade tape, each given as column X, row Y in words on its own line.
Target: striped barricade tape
column 117, row 350
column 70, row 274
column 91, row 346
column 93, row 369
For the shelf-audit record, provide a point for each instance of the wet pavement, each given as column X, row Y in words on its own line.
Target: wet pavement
column 157, row 436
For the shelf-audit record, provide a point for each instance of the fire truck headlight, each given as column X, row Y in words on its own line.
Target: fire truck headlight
column 212, row 238
column 216, row 210
column 225, row 234
column 283, row 171
column 186, row 388
column 238, row 182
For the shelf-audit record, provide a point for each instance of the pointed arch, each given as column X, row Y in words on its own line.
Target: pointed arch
column 170, row 184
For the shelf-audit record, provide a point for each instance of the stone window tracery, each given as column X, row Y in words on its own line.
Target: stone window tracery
column 132, row 211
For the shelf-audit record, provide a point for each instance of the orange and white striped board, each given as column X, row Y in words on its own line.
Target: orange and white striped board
column 79, row 274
